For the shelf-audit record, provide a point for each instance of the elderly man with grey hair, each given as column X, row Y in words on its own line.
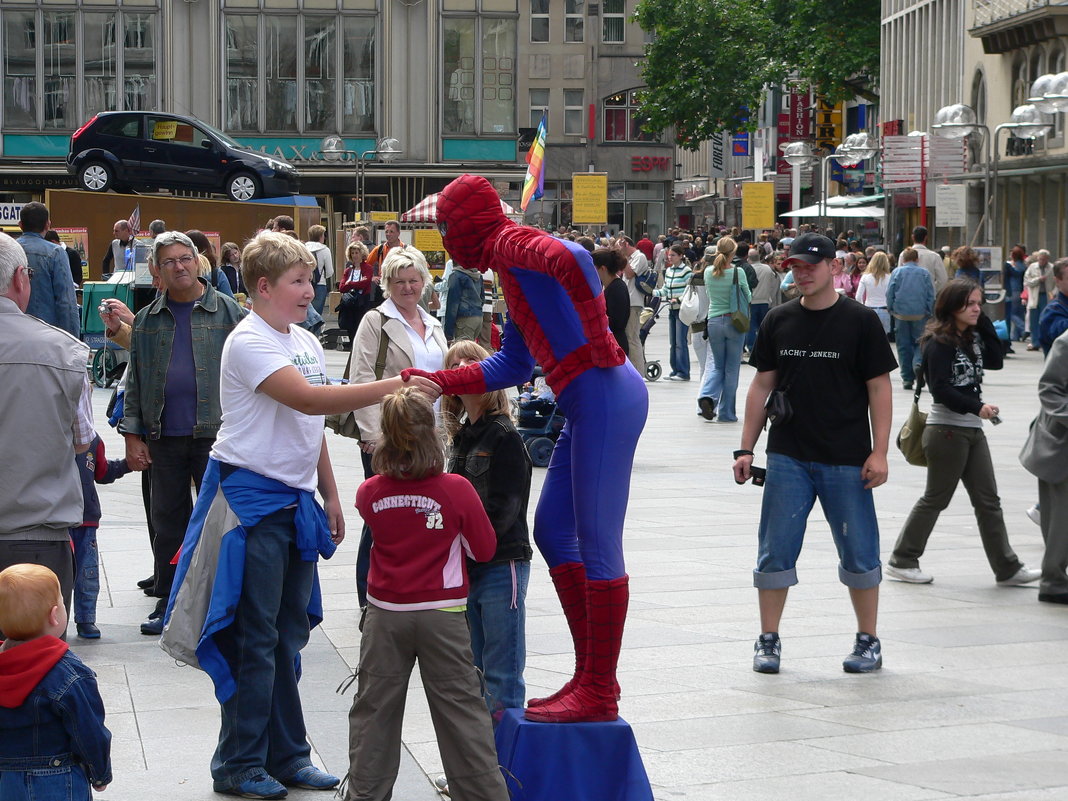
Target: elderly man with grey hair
column 172, row 410
column 46, row 419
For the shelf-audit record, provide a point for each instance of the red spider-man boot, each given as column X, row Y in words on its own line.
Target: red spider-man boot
column 570, row 582
column 594, row 697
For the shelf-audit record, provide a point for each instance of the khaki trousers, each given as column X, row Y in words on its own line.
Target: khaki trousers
column 634, row 342
column 391, row 643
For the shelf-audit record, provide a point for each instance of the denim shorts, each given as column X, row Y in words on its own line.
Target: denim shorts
column 790, row 492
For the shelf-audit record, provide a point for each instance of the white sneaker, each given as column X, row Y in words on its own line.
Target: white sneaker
column 1025, row 575
column 911, row 575
column 1034, row 515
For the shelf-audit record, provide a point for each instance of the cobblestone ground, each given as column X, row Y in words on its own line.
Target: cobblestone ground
column 971, row 702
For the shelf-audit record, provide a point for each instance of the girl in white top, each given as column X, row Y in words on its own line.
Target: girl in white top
column 872, row 288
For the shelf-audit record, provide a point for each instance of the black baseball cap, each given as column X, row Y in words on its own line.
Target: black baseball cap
column 811, row 248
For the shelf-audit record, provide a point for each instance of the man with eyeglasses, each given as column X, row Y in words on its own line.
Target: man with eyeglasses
column 172, row 410
column 53, row 299
column 47, row 418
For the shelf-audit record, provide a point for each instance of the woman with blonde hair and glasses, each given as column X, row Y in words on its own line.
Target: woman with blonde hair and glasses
column 396, row 335
column 486, row 449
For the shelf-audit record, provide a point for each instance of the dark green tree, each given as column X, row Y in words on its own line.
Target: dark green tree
column 711, row 60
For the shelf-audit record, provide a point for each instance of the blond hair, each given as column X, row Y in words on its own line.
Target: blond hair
column 27, row 595
column 410, row 447
column 360, row 248
column 879, row 266
column 725, row 248
column 269, row 255
column 400, row 258
column 908, row 254
column 203, row 266
column 490, row 403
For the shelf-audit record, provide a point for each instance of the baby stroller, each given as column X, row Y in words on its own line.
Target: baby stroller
column 650, row 314
column 540, row 422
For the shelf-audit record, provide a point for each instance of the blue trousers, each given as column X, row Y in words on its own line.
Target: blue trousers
column 320, row 297
column 262, row 722
column 496, row 612
column 908, row 349
column 86, row 574
column 757, row 312
column 790, row 492
column 723, row 366
column 680, row 346
column 584, row 498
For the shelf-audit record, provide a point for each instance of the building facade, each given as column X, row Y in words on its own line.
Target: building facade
column 987, row 54
column 454, row 81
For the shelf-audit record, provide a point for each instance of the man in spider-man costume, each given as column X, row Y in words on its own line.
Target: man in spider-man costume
column 557, row 317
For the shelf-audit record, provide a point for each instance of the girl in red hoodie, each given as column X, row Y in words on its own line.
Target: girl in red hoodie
column 425, row 523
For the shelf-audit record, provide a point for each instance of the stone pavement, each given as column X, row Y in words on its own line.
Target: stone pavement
column 972, row 701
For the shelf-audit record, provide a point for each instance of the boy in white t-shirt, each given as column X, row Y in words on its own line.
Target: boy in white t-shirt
column 268, row 460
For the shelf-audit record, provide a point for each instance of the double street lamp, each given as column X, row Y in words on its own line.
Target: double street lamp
column 1028, row 122
column 386, row 150
column 855, row 149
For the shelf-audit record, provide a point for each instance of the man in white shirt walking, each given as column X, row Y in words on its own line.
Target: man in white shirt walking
column 929, row 259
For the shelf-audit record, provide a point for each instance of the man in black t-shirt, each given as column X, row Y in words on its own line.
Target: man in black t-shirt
column 830, row 357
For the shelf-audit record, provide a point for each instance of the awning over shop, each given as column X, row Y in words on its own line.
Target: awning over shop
column 866, row 212
column 426, row 210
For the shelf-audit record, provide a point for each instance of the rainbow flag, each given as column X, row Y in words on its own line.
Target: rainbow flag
column 534, row 183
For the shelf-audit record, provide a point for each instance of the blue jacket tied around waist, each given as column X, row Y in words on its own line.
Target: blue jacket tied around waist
column 207, row 583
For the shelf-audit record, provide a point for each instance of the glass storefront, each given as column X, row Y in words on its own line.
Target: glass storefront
column 49, row 86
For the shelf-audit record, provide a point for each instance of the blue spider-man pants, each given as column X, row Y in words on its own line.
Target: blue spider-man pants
column 584, row 499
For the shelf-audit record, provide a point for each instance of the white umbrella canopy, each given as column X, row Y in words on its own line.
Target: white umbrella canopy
column 866, row 212
column 426, row 210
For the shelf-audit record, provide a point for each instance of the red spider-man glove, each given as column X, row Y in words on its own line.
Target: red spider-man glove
column 467, row 380
column 604, row 350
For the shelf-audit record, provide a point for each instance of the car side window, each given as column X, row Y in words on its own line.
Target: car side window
column 120, row 126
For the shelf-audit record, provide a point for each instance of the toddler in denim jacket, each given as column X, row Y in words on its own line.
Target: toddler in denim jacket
column 53, row 742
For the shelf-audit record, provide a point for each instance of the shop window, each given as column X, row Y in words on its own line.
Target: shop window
column 47, row 86
column 574, row 20
column 573, row 113
column 539, row 20
column 613, row 19
column 274, row 84
column 478, row 75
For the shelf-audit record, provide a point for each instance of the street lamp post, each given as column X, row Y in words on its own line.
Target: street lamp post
column 386, row 149
column 797, row 155
column 958, row 120
column 855, row 149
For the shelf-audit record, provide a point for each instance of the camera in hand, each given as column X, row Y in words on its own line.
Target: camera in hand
column 995, row 420
column 758, row 474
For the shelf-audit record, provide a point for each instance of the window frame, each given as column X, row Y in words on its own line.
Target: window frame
column 46, row 18
column 541, row 17
column 536, row 109
column 575, row 15
column 629, row 106
column 607, row 16
column 340, row 22
column 481, row 21
column 580, row 107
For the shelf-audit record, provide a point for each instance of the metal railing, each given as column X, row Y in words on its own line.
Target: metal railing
column 988, row 12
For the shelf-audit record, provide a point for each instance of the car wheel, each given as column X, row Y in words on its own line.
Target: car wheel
column 95, row 176
column 242, row 186
column 540, row 450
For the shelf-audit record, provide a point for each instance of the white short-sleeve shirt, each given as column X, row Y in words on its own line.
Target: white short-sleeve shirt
column 258, row 432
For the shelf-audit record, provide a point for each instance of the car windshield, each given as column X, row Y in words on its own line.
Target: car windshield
column 224, row 137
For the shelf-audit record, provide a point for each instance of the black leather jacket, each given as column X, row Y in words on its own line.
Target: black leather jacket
column 491, row 455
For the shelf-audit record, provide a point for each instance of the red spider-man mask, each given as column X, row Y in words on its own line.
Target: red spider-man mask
column 470, row 217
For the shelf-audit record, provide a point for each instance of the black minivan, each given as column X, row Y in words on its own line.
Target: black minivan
column 125, row 150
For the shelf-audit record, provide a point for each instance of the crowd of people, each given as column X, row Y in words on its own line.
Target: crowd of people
column 223, row 407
